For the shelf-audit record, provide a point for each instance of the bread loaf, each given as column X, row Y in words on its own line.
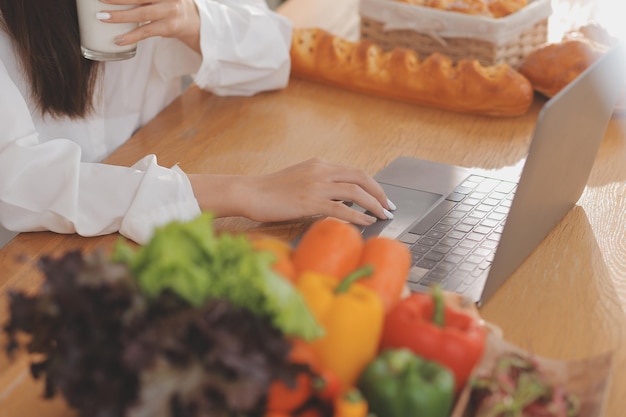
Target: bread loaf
column 362, row 66
column 553, row 66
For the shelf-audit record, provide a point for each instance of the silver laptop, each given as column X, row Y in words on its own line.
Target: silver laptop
column 469, row 230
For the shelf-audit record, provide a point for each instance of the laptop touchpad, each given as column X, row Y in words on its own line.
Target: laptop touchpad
column 411, row 204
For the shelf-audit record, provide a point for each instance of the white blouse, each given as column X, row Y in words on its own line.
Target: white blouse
column 50, row 178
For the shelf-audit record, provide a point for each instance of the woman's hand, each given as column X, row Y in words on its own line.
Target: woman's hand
column 314, row 187
column 168, row 18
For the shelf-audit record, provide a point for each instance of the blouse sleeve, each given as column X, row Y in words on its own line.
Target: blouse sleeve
column 45, row 186
column 245, row 49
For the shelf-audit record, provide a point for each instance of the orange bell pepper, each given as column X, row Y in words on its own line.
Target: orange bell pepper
column 352, row 317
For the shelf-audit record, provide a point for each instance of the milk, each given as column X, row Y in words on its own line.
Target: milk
column 96, row 37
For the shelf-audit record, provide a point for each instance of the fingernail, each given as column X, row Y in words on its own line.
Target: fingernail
column 119, row 40
column 103, row 16
column 388, row 214
column 391, row 205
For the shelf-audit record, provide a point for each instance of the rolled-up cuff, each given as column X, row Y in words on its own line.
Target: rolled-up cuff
column 245, row 48
column 165, row 195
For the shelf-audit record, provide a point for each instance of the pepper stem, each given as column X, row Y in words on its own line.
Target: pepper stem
column 353, row 396
column 438, row 306
column 363, row 272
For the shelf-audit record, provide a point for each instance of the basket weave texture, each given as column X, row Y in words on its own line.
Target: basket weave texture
column 532, row 32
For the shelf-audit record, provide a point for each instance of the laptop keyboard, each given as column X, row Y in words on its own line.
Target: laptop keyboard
column 453, row 246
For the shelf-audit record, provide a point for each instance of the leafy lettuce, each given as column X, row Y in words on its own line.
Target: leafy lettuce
column 191, row 260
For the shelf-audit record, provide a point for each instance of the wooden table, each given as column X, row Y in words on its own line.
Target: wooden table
column 567, row 301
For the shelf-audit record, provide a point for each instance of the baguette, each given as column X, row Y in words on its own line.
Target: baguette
column 362, row 66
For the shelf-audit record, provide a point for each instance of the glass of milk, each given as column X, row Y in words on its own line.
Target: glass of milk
column 96, row 37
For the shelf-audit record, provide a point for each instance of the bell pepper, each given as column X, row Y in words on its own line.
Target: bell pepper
column 424, row 324
column 398, row 383
column 326, row 385
column 285, row 398
column 350, row 404
column 352, row 318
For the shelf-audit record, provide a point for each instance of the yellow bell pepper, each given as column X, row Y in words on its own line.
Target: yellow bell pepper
column 352, row 316
column 351, row 404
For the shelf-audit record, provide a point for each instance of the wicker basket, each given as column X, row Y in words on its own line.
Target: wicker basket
column 509, row 39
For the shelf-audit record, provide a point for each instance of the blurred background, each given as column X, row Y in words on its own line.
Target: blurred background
column 274, row 3
column 5, row 236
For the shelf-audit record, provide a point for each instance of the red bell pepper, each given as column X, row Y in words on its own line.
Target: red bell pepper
column 437, row 332
column 283, row 398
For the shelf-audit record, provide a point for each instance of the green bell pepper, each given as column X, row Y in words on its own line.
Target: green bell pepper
column 398, row 383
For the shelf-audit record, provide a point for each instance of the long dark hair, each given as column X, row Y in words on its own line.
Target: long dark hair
column 46, row 38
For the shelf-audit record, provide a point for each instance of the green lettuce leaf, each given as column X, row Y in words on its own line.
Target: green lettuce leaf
column 189, row 259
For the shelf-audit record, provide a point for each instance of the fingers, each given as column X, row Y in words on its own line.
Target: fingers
column 124, row 2
column 142, row 13
column 167, row 18
column 353, row 184
column 365, row 182
column 142, row 32
column 333, row 183
column 343, row 212
column 151, row 19
column 357, row 194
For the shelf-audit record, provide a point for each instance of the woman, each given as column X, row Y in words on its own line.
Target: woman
column 61, row 114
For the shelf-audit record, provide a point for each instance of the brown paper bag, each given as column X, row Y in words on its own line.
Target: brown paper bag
column 587, row 379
